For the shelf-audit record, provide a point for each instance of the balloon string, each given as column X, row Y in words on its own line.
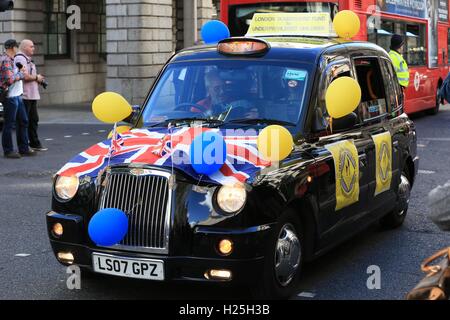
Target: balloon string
column 171, row 147
column 111, row 148
column 331, row 125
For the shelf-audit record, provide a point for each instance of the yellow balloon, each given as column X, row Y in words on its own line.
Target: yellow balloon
column 120, row 130
column 342, row 97
column 111, row 107
column 275, row 143
column 346, row 24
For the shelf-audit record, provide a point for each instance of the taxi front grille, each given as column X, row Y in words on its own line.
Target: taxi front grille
column 146, row 199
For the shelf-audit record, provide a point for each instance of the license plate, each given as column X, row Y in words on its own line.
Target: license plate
column 128, row 267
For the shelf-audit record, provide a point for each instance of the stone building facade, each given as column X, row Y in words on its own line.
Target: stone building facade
column 120, row 45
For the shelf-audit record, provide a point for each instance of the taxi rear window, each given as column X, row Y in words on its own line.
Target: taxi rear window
column 229, row 90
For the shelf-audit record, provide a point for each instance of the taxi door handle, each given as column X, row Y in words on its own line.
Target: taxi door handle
column 362, row 160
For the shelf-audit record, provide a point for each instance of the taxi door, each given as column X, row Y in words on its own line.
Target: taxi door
column 378, row 100
column 342, row 172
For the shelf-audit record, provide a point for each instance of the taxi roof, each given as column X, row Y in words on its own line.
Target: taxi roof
column 304, row 49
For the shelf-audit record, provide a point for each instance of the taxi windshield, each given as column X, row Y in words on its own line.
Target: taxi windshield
column 231, row 91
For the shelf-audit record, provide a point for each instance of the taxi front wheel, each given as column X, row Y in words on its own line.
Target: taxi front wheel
column 396, row 217
column 283, row 260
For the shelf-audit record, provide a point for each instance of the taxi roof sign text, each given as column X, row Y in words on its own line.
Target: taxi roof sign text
column 291, row 24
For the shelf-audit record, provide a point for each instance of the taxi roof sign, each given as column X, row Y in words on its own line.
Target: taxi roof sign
column 291, row 24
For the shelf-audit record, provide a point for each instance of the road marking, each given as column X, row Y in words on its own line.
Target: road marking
column 421, row 145
column 22, row 255
column 101, row 131
column 306, row 294
column 436, row 139
column 67, row 136
column 426, row 171
column 85, row 134
column 49, row 139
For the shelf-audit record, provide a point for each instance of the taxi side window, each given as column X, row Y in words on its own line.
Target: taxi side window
column 395, row 93
column 373, row 95
column 332, row 72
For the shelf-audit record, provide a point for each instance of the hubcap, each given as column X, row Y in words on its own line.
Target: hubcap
column 287, row 255
column 404, row 191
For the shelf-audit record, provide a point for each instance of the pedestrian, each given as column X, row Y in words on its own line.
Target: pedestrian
column 400, row 65
column 14, row 110
column 30, row 91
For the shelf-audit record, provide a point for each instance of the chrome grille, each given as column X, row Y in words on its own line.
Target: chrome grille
column 146, row 198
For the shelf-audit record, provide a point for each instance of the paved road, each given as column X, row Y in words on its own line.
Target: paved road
column 28, row 269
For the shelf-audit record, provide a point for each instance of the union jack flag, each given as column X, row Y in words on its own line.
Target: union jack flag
column 116, row 142
column 161, row 148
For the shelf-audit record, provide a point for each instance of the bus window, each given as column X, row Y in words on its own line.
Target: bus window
column 415, row 45
column 448, row 46
column 240, row 16
column 414, row 50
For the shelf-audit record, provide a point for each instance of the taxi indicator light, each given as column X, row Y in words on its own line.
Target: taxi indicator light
column 218, row 274
column 65, row 257
column 243, row 46
column 225, row 247
column 57, row 230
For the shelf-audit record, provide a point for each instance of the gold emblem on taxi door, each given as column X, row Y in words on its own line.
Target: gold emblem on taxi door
column 346, row 166
column 383, row 166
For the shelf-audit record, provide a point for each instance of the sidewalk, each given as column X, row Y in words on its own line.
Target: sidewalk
column 69, row 114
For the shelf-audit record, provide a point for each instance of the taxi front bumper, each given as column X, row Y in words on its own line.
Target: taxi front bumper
column 245, row 268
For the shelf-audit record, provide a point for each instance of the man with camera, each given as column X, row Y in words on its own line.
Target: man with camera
column 11, row 76
column 31, row 90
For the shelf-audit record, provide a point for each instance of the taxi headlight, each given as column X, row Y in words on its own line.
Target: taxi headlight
column 66, row 187
column 231, row 199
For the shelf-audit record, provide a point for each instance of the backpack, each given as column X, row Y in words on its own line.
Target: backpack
column 444, row 90
column 3, row 88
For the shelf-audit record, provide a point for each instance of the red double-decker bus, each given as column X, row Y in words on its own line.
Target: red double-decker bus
column 424, row 24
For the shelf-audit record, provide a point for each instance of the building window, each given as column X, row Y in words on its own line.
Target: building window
column 57, row 39
column 414, row 50
column 101, row 42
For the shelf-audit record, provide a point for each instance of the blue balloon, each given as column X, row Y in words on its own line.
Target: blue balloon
column 213, row 31
column 108, row 227
column 208, row 152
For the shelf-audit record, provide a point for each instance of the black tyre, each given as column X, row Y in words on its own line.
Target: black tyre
column 437, row 105
column 283, row 260
column 395, row 218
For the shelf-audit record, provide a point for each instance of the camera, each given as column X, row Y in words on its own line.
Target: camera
column 44, row 84
column 6, row 5
column 19, row 65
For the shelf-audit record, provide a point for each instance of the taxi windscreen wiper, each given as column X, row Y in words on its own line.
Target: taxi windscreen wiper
column 262, row 120
column 187, row 120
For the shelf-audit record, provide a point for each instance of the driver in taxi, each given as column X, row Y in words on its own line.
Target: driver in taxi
column 217, row 100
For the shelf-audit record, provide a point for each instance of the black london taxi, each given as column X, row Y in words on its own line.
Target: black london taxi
column 341, row 176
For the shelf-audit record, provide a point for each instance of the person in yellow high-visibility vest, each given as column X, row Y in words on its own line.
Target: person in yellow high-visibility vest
column 400, row 65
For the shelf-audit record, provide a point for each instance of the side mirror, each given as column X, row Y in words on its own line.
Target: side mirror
column 345, row 123
column 133, row 117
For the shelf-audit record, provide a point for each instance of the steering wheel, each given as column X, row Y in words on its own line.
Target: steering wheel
column 185, row 107
column 236, row 110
